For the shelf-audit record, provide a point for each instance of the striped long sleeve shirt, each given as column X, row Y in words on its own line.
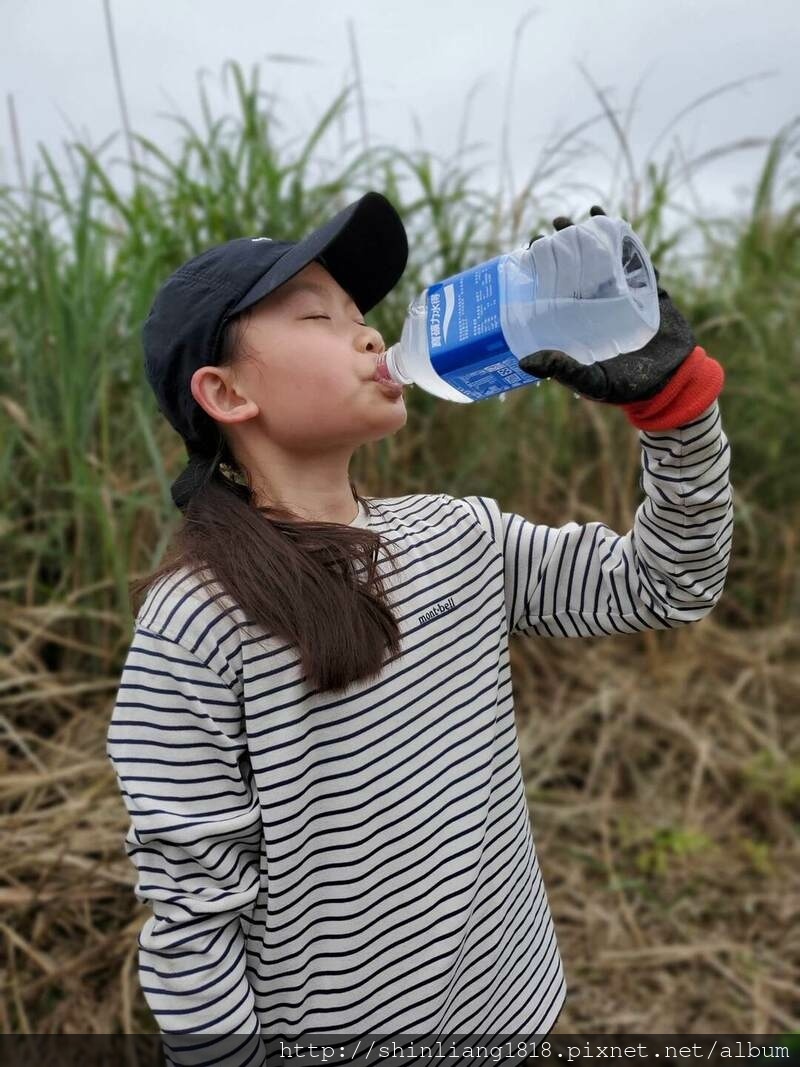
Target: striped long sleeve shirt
column 363, row 862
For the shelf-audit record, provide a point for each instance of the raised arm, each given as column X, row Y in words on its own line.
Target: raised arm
column 584, row 579
column 670, row 568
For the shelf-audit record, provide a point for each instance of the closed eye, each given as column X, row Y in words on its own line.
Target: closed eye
column 327, row 317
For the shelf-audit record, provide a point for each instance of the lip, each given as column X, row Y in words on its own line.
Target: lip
column 382, row 371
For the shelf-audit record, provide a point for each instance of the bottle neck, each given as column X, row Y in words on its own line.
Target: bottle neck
column 390, row 366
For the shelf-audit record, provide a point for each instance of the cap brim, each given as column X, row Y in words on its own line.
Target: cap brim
column 365, row 248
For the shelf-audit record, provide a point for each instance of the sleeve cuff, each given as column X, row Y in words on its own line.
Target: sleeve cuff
column 689, row 392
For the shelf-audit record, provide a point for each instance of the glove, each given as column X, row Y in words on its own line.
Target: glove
column 671, row 378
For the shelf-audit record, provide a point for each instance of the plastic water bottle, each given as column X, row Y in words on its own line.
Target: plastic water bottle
column 588, row 290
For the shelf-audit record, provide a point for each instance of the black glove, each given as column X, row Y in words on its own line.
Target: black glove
column 629, row 376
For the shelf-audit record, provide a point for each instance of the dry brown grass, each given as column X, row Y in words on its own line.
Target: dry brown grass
column 663, row 772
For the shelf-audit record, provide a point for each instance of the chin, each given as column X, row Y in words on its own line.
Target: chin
column 388, row 425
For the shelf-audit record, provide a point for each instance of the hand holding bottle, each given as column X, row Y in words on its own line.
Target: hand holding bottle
column 629, row 376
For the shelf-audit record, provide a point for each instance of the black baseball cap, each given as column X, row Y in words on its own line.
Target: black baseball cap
column 364, row 247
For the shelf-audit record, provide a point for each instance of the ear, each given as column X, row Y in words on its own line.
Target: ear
column 212, row 391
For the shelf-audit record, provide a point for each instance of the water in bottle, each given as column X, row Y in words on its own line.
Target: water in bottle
column 588, row 290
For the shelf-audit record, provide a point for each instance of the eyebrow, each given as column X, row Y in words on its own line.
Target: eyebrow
column 291, row 287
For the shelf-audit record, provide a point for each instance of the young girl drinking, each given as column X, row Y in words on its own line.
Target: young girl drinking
column 316, row 745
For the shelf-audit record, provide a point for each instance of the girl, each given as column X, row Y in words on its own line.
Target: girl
column 319, row 756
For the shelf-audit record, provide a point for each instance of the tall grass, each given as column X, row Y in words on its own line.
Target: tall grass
column 86, row 463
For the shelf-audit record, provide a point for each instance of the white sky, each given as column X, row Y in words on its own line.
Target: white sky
column 418, row 57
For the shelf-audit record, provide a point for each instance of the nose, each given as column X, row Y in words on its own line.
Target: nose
column 371, row 341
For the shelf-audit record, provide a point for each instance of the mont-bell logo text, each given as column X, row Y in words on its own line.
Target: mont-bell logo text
column 438, row 609
column 260, row 238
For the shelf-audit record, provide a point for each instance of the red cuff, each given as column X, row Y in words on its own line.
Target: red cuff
column 694, row 387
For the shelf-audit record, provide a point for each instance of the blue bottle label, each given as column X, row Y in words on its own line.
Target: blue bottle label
column 465, row 339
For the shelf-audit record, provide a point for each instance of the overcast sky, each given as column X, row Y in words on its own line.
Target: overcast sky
column 419, row 58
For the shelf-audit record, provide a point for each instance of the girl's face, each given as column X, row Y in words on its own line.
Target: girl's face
column 310, row 368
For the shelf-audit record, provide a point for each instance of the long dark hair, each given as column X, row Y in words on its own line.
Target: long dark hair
column 313, row 584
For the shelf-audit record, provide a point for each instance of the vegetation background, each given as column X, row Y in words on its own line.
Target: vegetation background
column 663, row 770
